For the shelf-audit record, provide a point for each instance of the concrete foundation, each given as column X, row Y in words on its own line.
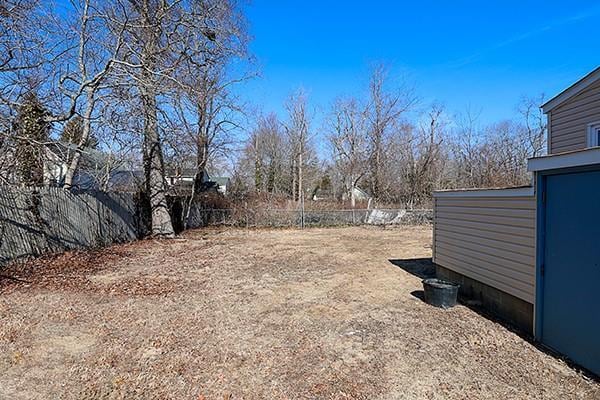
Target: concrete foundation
column 507, row 307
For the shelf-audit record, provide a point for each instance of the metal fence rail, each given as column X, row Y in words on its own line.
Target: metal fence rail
column 307, row 218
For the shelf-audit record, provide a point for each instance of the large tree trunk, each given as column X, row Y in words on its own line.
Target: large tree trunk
column 154, row 168
column 200, row 167
column 162, row 225
column 201, row 151
column 85, row 136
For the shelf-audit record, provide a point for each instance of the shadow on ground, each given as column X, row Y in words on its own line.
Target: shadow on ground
column 424, row 268
column 420, row 267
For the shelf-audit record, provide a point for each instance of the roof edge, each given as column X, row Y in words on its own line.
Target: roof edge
column 518, row 191
column 572, row 90
column 577, row 158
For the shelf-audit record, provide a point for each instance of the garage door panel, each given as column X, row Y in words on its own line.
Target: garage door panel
column 571, row 291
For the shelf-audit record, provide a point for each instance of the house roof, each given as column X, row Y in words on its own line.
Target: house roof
column 362, row 191
column 182, row 172
column 572, row 90
column 90, row 158
column 220, row 180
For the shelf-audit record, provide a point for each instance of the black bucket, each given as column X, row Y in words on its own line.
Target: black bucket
column 440, row 293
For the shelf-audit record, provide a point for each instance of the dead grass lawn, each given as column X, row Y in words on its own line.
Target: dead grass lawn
column 266, row 314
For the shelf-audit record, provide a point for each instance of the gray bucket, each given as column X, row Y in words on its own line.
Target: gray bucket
column 440, row 293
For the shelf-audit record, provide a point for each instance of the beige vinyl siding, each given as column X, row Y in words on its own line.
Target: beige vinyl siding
column 489, row 239
column 569, row 121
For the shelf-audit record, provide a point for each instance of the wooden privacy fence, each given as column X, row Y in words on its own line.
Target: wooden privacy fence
column 41, row 220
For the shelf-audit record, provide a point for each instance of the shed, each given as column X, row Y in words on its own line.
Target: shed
column 532, row 255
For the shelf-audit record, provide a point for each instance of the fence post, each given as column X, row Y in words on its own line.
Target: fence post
column 302, row 210
column 367, row 212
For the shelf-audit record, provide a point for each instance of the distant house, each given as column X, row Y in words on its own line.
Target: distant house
column 327, row 194
column 180, row 181
column 96, row 169
column 101, row 171
column 359, row 195
column 222, row 184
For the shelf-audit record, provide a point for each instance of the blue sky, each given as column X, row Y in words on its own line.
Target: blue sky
column 479, row 54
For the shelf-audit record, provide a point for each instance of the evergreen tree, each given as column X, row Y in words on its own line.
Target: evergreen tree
column 72, row 132
column 32, row 131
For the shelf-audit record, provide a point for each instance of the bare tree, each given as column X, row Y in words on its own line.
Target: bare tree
column 170, row 44
column 348, row 140
column 490, row 156
column 465, row 148
column 97, row 52
column 299, row 136
column 424, row 169
column 207, row 117
column 147, row 51
column 19, row 45
column 266, row 151
column 385, row 110
column 156, row 36
column 535, row 124
column 206, row 111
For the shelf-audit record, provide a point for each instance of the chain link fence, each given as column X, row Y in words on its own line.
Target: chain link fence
column 253, row 218
column 34, row 221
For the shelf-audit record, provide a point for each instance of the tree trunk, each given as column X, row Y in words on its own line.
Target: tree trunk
column 162, row 225
column 376, row 166
column 201, row 161
column 258, row 166
column 294, row 175
column 154, row 168
column 85, row 136
column 352, row 196
column 300, row 188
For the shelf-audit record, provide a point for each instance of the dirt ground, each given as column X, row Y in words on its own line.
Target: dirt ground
column 265, row 314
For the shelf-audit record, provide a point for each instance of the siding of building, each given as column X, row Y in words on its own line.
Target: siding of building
column 489, row 237
column 568, row 122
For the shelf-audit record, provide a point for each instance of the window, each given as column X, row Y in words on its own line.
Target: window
column 593, row 135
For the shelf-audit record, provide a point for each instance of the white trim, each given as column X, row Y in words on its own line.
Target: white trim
column 593, row 132
column 572, row 90
column 508, row 192
column 578, row 158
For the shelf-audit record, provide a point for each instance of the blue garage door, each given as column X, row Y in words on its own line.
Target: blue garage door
column 571, row 274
